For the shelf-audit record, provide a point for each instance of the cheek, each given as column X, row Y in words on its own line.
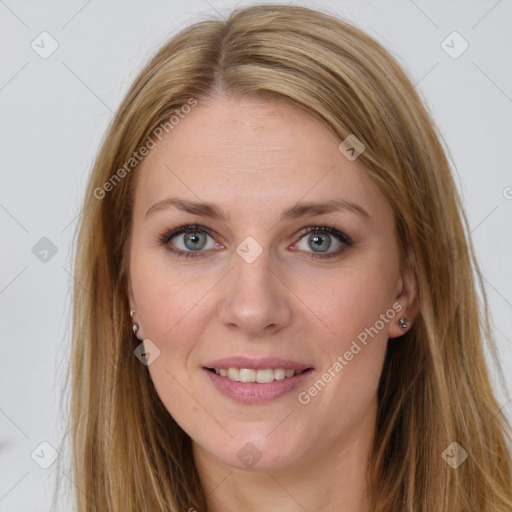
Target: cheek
column 164, row 297
column 356, row 308
column 354, row 302
column 169, row 308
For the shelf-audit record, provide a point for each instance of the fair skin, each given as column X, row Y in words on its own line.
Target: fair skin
column 254, row 158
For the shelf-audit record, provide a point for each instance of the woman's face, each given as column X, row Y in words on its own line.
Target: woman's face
column 247, row 288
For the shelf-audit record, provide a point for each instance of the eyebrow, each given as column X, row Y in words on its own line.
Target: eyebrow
column 299, row 210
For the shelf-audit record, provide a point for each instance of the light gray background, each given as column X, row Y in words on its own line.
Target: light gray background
column 54, row 112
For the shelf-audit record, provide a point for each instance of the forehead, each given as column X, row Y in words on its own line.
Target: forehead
column 255, row 152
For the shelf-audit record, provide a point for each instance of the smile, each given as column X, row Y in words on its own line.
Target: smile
column 251, row 375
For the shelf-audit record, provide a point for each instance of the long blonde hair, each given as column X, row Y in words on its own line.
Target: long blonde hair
column 127, row 451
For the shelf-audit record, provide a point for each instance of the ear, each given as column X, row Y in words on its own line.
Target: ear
column 407, row 296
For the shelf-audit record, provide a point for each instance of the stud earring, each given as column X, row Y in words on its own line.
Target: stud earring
column 402, row 322
column 135, row 327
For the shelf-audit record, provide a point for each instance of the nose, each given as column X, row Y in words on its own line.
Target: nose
column 257, row 301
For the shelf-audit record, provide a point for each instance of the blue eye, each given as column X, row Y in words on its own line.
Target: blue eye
column 192, row 239
column 319, row 239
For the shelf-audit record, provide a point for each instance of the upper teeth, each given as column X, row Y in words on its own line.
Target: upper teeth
column 251, row 375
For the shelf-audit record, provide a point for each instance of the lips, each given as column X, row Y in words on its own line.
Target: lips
column 254, row 392
column 249, row 380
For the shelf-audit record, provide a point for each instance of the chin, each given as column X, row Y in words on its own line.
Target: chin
column 258, row 452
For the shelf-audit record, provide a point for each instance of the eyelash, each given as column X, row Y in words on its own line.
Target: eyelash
column 165, row 237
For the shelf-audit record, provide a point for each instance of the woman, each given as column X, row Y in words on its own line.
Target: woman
column 269, row 312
